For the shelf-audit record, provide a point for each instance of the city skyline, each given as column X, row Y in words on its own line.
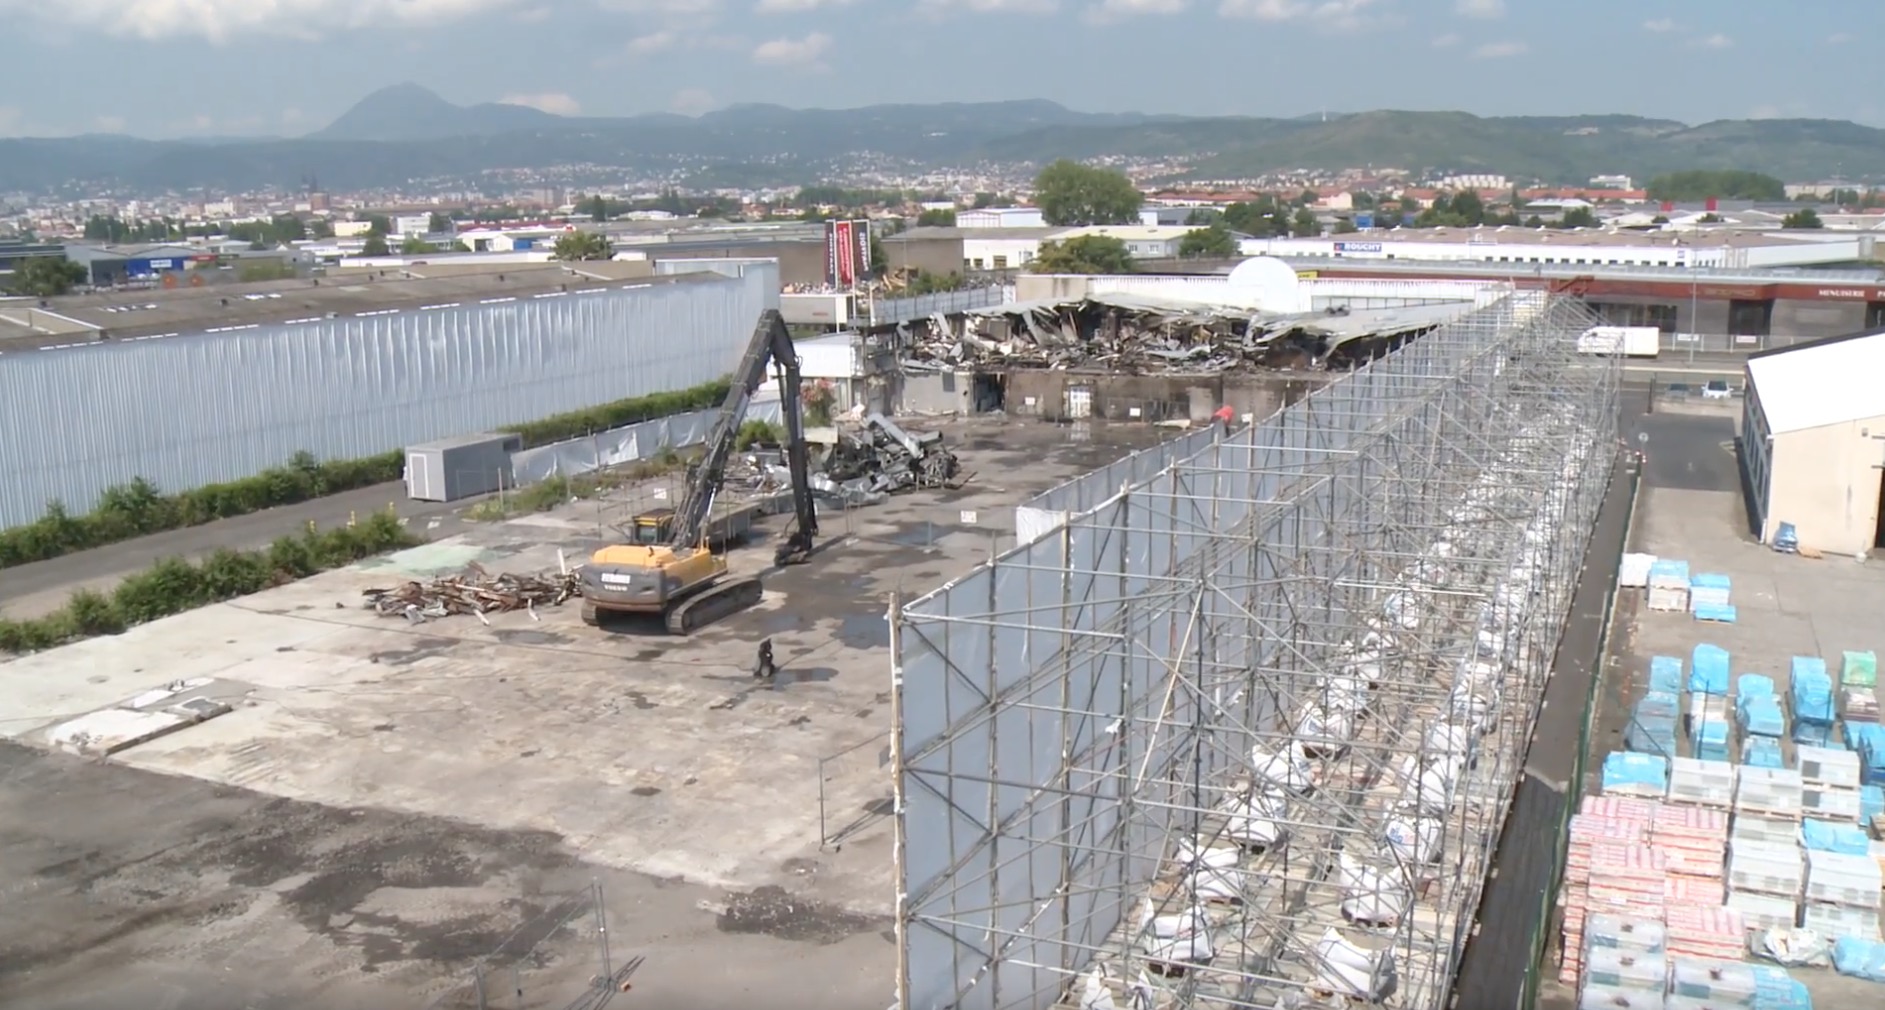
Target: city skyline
column 307, row 62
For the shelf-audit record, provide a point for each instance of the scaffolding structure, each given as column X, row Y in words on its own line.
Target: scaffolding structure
column 1244, row 734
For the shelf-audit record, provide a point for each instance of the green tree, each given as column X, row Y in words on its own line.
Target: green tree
column 926, row 283
column 439, row 223
column 416, row 246
column 985, row 200
column 1071, row 194
column 597, row 207
column 45, row 277
column 375, row 246
column 1083, row 254
column 1345, row 226
column 1305, row 223
column 1203, row 217
column 379, row 224
column 1306, row 198
column 1803, row 218
column 320, row 228
column 1577, row 217
column 265, row 270
column 1728, row 185
column 1213, row 241
column 938, row 218
column 1534, row 222
column 582, row 245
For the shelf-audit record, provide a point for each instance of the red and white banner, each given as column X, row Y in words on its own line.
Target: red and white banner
column 847, row 252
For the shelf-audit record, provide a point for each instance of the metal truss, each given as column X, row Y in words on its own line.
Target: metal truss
column 1245, row 734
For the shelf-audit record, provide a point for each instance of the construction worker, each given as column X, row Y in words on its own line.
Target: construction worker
column 764, row 669
column 1226, row 415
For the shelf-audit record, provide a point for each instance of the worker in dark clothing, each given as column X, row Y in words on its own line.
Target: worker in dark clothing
column 764, row 668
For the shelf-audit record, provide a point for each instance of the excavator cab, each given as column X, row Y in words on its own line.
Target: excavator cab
column 653, row 527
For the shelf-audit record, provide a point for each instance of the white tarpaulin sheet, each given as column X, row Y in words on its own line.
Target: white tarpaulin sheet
column 628, row 444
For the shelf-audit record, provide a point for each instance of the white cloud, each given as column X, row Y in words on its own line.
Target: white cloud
column 11, row 121
column 693, row 101
column 1716, row 41
column 110, row 124
column 533, row 15
column 653, row 42
column 555, row 103
column 222, row 20
column 798, row 6
column 806, row 53
column 1110, row 11
column 1340, row 15
column 1500, row 50
column 1447, row 41
column 1660, row 25
column 666, row 8
column 1480, row 8
column 941, row 7
column 1838, row 38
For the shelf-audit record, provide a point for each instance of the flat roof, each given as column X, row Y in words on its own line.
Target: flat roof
column 28, row 323
column 1506, row 271
column 1824, row 382
column 1712, row 238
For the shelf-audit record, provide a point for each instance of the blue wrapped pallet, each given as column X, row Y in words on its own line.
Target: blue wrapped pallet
column 1750, row 685
column 1635, row 774
column 1761, row 752
column 1833, row 836
column 1652, row 727
column 1868, row 739
column 1859, row 958
column 1774, row 989
column 1814, row 735
column 1665, row 674
column 1871, row 802
column 1708, row 670
column 1709, row 741
column 1761, row 716
column 1663, row 571
column 1812, row 691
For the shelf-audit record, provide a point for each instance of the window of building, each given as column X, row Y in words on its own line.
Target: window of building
column 1751, row 318
column 1663, row 317
column 1001, row 262
column 1875, row 315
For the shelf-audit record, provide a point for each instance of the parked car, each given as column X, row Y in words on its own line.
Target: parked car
column 1716, row 389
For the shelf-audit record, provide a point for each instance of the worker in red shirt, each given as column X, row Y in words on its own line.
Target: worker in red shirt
column 1226, row 415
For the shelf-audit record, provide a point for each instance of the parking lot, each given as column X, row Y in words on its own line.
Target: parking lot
column 387, row 802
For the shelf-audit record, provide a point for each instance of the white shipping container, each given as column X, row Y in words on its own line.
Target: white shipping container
column 1628, row 341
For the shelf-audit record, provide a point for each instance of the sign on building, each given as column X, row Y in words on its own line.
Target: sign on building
column 847, row 252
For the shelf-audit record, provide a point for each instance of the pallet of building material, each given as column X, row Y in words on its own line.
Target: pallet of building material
column 1811, row 689
column 1840, row 805
column 1838, row 878
column 1695, row 782
column 1674, row 601
column 1766, row 868
column 1762, row 752
column 1713, row 614
column 1639, row 775
column 1633, row 572
column 1709, row 669
column 1814, row 735
column 1667, row 573
column 1760, row 715
column 1871, row 803
column 1695, row 839
column 1858, row 704
column 1709, row 741
column 1681, row 889
column 1858, row 669
column 1827, row 767
column 1665, row 674
column 1708, row 589
column 1840, row 920
column 1764, row 911
column 1620, row 808
column 1768, row 792
column 1771, row 830
column 1777, row 990
column 1629, row 971
column 1843, row 837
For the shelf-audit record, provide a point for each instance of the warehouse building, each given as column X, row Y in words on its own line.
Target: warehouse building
column 194, row 386
column 1813, row 443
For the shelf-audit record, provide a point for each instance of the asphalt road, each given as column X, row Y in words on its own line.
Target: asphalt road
column 42, row 587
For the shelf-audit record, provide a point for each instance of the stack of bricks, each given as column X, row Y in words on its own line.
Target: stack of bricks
column 1696, row 842
column 1707, row 931
column 1610, row 869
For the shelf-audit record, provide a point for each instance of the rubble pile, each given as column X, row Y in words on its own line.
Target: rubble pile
column 1138, row 335
column 884, row 458
column 475, row 592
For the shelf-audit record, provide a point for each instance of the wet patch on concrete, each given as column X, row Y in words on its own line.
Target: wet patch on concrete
column 864, row 631
column 771, row 911
column 639, row 700
column 530, row 636
column 918, row 534
column 646, row 791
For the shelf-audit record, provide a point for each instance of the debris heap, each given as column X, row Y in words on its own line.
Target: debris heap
column 475, row 592
column 885, row 458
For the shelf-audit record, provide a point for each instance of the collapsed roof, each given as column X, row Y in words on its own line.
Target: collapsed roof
column 1138, row 334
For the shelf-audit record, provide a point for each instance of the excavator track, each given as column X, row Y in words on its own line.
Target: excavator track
column 703, row 609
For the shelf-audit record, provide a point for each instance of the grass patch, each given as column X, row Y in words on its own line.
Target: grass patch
column 173, row 585
column 559, row 489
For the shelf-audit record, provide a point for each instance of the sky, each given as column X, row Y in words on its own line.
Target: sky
column 168, row 68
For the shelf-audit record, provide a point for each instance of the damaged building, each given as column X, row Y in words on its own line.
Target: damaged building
column 1130, row 356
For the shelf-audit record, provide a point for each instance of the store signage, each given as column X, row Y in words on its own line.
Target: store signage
column 1357, row 247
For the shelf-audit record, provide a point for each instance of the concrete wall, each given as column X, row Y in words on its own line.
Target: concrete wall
column 940, row 256
column 1826, row 483
column 799, row 262
column 932, row 393
column 1152, row 398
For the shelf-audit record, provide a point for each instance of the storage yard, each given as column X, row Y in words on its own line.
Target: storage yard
column 1731, row 781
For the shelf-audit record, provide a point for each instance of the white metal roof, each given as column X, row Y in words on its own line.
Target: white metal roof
column 1820, row 384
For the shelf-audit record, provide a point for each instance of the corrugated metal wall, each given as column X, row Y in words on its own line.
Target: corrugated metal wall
column 192, row 410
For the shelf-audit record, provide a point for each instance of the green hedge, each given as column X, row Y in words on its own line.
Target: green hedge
column 173, row 585
column 138, row 508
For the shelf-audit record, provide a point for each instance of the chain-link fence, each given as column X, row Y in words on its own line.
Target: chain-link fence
column 534, row 965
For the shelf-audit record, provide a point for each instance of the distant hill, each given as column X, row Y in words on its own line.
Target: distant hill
column 411, row 112
column 406, row 133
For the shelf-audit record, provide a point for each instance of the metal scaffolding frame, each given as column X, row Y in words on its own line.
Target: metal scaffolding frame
column 1244, row 735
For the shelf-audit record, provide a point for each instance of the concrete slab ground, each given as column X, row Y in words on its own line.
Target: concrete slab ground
column 1691, row 508
column 442, row 778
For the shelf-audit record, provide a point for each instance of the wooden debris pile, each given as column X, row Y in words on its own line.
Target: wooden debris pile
column 475, row 592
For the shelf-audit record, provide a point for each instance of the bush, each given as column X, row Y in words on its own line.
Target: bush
column 173, row 585
column 139, row 508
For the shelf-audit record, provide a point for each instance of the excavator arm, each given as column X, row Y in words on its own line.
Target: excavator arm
column 771, row 344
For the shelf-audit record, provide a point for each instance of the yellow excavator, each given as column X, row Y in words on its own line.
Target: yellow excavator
column 669, row 567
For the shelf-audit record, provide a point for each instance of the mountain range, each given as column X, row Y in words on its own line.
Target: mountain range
column 407, row 133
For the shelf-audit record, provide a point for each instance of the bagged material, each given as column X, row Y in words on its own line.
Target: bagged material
column 1288, row 771
column 1859, row 669
column 1413, row 838
column 1860, row 958
column 1372, row 895
column 1708, row 670
column 1177, row 938
column 1253, row 819
column 1352, row 971
column 1792, row 947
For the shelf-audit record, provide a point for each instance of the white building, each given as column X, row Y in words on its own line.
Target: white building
column 1143, row 241
column 1001, row 217
column 1003, row 248
column 1478, row 181
column 1812, row 434
column 1579, row 247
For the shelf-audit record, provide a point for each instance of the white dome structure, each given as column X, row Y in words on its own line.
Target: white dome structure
column 1270, row 283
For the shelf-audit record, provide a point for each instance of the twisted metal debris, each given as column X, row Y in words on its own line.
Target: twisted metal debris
column 475, row 592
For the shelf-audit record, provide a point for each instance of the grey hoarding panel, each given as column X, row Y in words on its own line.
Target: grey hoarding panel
column 197, row 409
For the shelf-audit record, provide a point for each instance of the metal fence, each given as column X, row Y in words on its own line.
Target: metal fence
column 631, row 443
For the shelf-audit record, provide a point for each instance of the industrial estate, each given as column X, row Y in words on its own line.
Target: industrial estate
column 676, row 613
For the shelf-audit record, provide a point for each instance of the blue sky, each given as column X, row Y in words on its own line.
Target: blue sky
column 163, row 68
